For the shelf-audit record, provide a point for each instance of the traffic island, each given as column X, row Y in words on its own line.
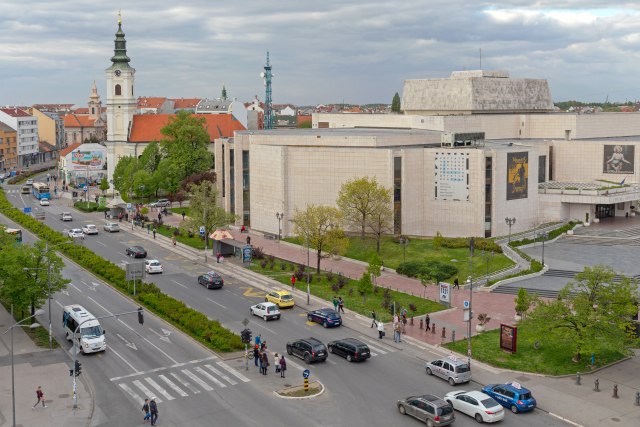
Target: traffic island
column 315, row 389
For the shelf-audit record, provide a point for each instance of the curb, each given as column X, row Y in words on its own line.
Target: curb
column 301, row 397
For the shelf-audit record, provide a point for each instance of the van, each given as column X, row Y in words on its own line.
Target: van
column 90, row 335
column 452, row 369
column 25, row 189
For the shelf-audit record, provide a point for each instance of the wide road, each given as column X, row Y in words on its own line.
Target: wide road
column 357, row 394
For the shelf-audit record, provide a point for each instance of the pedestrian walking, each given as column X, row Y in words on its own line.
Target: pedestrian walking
column 380, row 329
column 218, row 255
column 373, row 317
column 258, row 339
column 403, row 323
column 153, row 408
column 173, row 240
column 263, row 346
column 40, row 396
column 154, row 232
column 147, row 412
column 456, row 284
column 396, row 333
column 120, row 217
column 183, row 215
column 265, row 363
column 283, row 366
column 256, row 354
column 341, row 304
column 248, row 240
column 293, row 282
column 149, row 229
column 427, row 321
column 335, row 303
column 159, row 217
column 105, row 214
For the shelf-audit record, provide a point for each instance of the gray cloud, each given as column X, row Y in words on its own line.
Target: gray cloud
column 321, row 51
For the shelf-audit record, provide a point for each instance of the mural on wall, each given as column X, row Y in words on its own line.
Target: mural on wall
column 517, row 175
column 618, row 159
column 452, row 176
column 81, row 160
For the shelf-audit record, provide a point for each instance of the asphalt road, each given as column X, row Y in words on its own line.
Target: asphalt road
column 356, row 394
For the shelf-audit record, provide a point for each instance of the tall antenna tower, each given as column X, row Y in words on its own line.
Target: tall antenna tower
column 268, row 103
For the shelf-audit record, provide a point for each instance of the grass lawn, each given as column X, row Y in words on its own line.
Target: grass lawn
column 180, row 210
column 550, row 358
column 194, row 242
column 321, row 287
column 423, row 250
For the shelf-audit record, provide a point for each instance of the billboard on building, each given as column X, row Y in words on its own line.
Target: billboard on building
column 517, row 175
column 452, row 175
column 92, row 160
column 618, row 159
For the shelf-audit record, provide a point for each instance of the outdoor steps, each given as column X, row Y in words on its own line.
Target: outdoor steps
column 513, row 290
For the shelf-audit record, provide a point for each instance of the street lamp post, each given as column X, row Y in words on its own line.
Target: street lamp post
column 470, row 280
column 543, row 235
column 404, row 242
column 308, row 273
column 280, row 216
column 510, row 222
column 13, row 387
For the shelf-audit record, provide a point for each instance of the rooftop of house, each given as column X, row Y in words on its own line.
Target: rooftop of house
column 151, row 102
column 15, row 112
column 181, row 103
column 148, row 127
column 69, row 149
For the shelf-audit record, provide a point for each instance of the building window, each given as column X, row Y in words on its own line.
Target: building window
column 542, row 168
column 246, row 206
column 488, row 190
column 232, row 181
column 397, row 195
column 118, row 90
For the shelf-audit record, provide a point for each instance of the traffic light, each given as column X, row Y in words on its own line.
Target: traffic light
column 140, row 316
column 245, row 335
column 78, row 368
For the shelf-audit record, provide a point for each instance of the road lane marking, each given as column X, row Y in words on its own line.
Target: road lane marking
column 100, row 243
column 147, row 340
column 75, row 287
column 249, row 292
column 179, row 284
column 330, row 361
column 58, row 302
column 374, row 347
column 98, row 304
column 131, row 393
column 209, row 377
column 160, row 389
column 187, row 384
column 197, row 380
column 217, row 303
column 173, row 386
column 135, row 371
column 233, row 372
column 145, row 390
column 164, row 368
column 294, row 364
column 220, row 374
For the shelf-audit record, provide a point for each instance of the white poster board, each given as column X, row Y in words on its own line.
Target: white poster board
column 452, row 175
column 444, row 293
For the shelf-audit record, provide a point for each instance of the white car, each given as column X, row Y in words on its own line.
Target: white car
column 476, row 404
column 44, row 202
column 111, row 227
column 66, row 216
column 152, row 266
column 266, row 310
column 90, row 229
column 29, row 181
column 76, row 232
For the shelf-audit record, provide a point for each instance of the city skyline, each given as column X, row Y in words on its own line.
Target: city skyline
column 326, row 52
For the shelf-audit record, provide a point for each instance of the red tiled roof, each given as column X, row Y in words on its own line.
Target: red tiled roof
column 179, row 103
column 46, row 147
column 15, row 112
column 76, row 121
column 69, row 149
column 146, row 127
column 84, row 110
column 151, row 102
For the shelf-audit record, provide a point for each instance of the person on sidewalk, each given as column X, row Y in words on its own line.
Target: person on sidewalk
column 149, row 229
column 265, row 362
column 154, row 232
column 147, row 412
column 256, row 354
column 456, row 284
column 283, row 366
column 380, row 329
column 258, row 339
column 159, row 217
column 373, row 317
column 293, row 282
column 105, row 214
column 218, row 255
column 427, row 321
column 153, row 407
column 335, row 303
column 248, row 240
column 173, row 240
column 40, row 396
column 183, row 215
column 396, row 333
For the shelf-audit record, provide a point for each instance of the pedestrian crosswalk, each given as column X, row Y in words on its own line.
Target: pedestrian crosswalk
column 168, row 385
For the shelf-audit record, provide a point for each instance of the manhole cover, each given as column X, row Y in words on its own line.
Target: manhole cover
column 63, row 396
column 523, row 378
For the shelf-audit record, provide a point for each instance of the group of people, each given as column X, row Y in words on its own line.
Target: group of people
column 399, row 324
column 150, row 409
column 338, row 304
column 261, row 358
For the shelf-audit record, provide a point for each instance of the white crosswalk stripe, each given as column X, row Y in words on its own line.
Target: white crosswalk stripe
column 131, row 393
column 294, row 364
column 375, row 347
column 210, row 377
column 197, row 380
column 185, row 383
column 145, row 391
column 159, row 388
column 220, row 374
column 173, row 386
column 233, row 372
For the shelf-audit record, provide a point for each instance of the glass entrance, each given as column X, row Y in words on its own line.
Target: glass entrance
column 605, row 211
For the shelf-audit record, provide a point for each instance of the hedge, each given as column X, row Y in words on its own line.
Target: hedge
column 190, row 321
column 479, row 243
column 429, row 268
column 550, row 236
column 92, row 207
column 19, row 179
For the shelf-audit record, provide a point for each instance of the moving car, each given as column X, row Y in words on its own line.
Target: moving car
column 325, row 316
column 29, row 181
column 75, row 232
column 90, row 229
column 160, row 203
column 266, row 310
column 136, row 252
column 111, row 227
column 280, row 298
column 44, row 202
column 451, row 369
column 66, row 216
column 211, row 280
column 309, row 349
column 476, row 404
column 152, row 266
column 350, row 348
column 427, row 408
column 512, row 396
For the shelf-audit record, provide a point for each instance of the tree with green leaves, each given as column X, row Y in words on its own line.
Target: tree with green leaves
column 380, row 220
column 204, row 210
column 185, row 143
column 143, row 184
column 374, row 269
column 104, row 185
column 123, row 175
column 318, row 226
column 359, row 198
column 365, row 286
column 591, row 314
column 395, row 103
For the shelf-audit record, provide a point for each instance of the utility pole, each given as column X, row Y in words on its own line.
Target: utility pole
column 471, row 243
column 204, row 219
column 308, row 272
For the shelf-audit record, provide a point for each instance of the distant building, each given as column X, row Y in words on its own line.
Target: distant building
column 8, row 149
column 50, row 127
column 154, row 105
column 223, row 106
column 80, row 127
column 26, row 126
column 185, row 104
column 81, row 162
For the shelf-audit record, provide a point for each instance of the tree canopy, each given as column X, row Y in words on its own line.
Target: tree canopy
column 361, row 198
column 185, row 143
column 204, row 209
column 395, row 103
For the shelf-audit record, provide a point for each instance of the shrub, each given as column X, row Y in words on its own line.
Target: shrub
column 350, row 292
column 335, row 288
column 330, row 276
column 299, row 275
column 257, row 252
column 283, row 265
column 263, row 264
column 412, row 307
column 480, row 243
column 342, row 281
column 428, row 268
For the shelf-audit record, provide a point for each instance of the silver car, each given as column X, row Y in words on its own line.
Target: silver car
column 111, row 227
column 427, row 408
column 451, row 369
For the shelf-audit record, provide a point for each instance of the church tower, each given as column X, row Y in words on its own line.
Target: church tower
column 121, row 101
column 95, row 105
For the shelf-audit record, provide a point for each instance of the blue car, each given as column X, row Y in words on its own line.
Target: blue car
column 512, row 396
column 325, row 316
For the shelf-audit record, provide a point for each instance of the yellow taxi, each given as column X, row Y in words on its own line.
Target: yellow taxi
column 282, row 299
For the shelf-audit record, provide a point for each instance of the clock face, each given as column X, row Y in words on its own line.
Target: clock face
column 117, row 73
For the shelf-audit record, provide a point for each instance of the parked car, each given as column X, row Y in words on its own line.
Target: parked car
column 90, row 229
column 136, row 252
column 309, row 349
column 160, row 203
column 350, row 348
column 476, row 404
column 266, row 310
column 66, row 216
column 512, row 396
column 44, row 202
column 152, row 266
column 75, row 232
column 451, row 369
column 29, row 181
column 111, row 227
column 325, row 316
column 211, row 280
column 281, row 298
column 427, row 408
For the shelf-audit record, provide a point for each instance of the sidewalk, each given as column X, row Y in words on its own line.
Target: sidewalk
column 35, row 366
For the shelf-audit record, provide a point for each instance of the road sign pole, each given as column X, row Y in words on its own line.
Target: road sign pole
column 306, row 384
column 246, row 357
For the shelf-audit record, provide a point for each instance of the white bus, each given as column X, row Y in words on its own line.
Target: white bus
column 90, row 338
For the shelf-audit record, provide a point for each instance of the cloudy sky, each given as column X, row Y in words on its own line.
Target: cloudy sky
column 321, row 51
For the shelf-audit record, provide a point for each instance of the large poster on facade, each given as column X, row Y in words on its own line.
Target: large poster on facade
column 517, row 175
column 83, row 160
column 452, row 176
column 618, row 159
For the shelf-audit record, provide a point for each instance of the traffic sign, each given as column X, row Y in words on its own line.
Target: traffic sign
column 202, row 230
column 444, row 292
column 247, row 251
column 306, row 373
column 465, row 305
column 85, row 188
column 245, row 321
column 26, row 210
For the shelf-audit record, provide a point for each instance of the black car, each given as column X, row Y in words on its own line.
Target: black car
column 350, row 348
column 211, row 280
column 325, row 316
column 309, row 349
column 136, row 252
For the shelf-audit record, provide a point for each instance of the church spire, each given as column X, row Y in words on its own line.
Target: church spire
column 120, row 51
column 224, row 93
column 94, row 92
